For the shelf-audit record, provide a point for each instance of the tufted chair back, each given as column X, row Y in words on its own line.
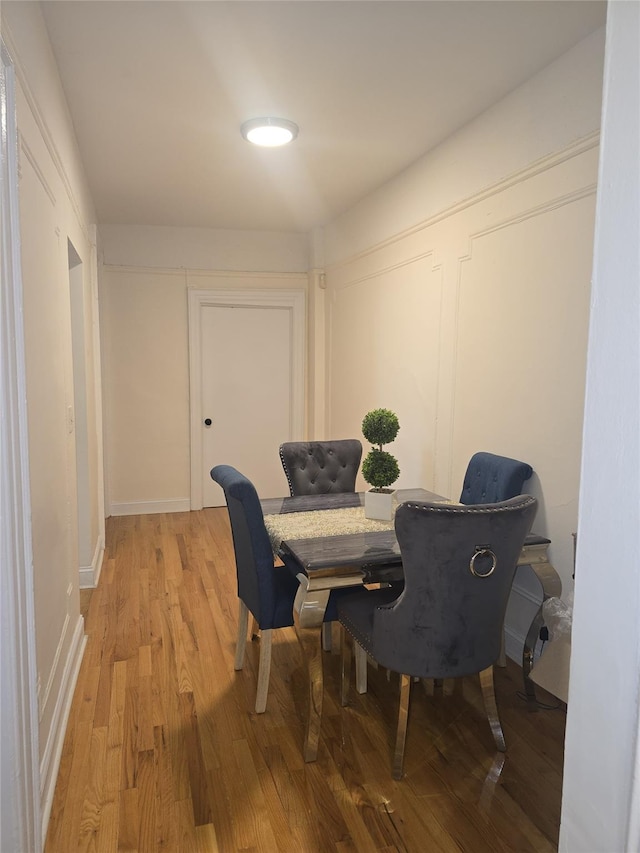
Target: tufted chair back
column 491, row 479
column 320, row 467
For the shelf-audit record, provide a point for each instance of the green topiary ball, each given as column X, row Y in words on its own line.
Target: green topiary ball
column 380, row 426
column 380, row 469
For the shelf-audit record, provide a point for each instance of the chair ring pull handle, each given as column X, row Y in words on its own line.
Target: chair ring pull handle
column 482, row 552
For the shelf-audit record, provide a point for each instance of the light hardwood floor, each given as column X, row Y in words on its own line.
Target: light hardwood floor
column 164, row 752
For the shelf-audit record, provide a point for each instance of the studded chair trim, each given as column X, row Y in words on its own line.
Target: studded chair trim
column 448, row 620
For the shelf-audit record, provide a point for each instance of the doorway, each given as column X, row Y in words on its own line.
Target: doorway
column 247, row 355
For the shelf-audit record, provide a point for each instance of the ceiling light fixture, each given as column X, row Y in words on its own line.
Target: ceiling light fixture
column 269, row 132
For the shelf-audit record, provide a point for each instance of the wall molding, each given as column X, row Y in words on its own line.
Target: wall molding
column 20, row 814
column 532, row 212
column 23, row 146
column 50, row 762
column 380, row 271
column 538, row 167
column 98, row 399
column 129, row 270
column 150, row 507
column 45, row 133
column 240, row 275
column 302, row 277
column 90, row 575
column 53, row 673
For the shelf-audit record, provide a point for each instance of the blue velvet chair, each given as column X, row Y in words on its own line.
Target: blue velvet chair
column 459, row 563
column 265, row 590
column 321, row 467
column 490, row 478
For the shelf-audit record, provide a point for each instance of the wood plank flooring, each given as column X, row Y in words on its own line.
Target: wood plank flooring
column 163, row 751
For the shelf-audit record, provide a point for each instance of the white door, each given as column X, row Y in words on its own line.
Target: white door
column 246, row 374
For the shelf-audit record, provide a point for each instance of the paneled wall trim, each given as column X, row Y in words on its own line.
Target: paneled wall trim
column 193, row 278
column 47, row 137
column 472, row 326
column 545, row 164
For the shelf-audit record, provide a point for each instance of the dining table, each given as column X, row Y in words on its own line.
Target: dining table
column 332, row 545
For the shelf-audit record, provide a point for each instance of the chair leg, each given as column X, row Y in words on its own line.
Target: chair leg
column 263, row 670
column 346, row 666
column 361, row 667
column 489, row 697
column 255, row 629
column 401, row 734
column 241, row 641
column 326, row 636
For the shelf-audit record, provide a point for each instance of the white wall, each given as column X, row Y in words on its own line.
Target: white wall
column 601, row 793
column 204, row 248
column 544, row 115
column 144, row 281
column 54, row 208
column 458, row 296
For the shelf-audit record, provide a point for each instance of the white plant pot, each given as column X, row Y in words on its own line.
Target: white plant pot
column 379, row 504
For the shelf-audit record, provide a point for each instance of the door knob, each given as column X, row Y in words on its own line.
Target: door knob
column 207, row 421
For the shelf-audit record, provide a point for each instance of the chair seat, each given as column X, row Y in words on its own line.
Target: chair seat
column 286, row 586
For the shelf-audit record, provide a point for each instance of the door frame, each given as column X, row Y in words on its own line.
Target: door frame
column 295, row 302
column 21, row 825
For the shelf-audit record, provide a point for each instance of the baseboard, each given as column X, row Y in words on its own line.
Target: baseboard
column 90, row 575
column 147, row 507
column 50, row 763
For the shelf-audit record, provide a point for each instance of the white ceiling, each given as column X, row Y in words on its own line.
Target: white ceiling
column 158, row 90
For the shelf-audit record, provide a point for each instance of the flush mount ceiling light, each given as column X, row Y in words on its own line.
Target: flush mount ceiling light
column 269, row 132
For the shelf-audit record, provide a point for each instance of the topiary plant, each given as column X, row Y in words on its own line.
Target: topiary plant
column 380, row 469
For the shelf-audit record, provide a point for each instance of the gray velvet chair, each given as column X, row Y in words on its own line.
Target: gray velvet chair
column 459, row 563
column 490, row 478
column 321, row 467
column 265, row 590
